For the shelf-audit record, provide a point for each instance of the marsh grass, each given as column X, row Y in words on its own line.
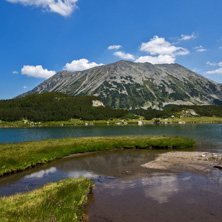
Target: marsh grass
column 19, row 156
column 61, row 201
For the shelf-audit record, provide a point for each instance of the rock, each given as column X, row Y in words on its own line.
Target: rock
column 97, row 103
column 218, row 167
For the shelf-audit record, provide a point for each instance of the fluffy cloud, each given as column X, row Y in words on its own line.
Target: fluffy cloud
column 161, row 51
column 217, row 71
column 79, row 65
column 15, row 72
column 214, row 63
column 211, row 63
column 200, row 48
column 124, row 55
column 25, row 87
column 62, row 7
column 37, row 72
column 111, row 47
column 187, row 37
column 159, row 46
column 156, row 59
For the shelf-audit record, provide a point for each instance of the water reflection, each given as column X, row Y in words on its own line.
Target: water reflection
column 98, row 167
column 125, row 191
column 41, row 173
column 161, row 188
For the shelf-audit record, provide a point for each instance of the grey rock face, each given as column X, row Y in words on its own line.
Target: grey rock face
column 132, row 85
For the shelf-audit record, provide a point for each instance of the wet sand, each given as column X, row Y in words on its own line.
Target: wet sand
column 195, row 162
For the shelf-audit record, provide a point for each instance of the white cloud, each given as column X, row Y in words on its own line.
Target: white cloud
column 111, row 47
column 124, row 55
column 217, row 71
column 200, row 48
column 37, row 71
column 25, row 87
column 211, row 63
column 79, row 65
column 159, row 46
column 214, row 63
column 161, row 51
column 62, row 7
column 156, row 59
column 187, row 37
column 15, row 72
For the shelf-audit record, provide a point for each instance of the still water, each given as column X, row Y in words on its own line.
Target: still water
column 125, row 191
column 204, row 132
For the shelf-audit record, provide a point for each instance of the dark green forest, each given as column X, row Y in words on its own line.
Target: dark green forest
column 204, row 110
column 55, row 106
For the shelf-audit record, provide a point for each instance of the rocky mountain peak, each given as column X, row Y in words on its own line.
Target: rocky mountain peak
column 126, row 84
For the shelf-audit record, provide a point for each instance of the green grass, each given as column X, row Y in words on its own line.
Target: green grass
column 19, row 156
column 61, row 201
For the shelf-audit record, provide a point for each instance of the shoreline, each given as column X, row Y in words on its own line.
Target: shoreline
column 115, row 122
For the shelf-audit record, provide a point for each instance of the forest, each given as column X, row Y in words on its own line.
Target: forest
column 55, row 106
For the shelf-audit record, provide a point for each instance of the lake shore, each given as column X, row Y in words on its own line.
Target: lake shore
column 198, row 162
column 20, row 156
column 78, row 122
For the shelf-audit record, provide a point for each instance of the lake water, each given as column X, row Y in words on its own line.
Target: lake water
column 208, row 135
column 125, row 191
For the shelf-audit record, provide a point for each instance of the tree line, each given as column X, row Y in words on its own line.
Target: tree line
column 55, row 106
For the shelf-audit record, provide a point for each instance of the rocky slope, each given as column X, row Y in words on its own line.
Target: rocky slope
column 130, row 85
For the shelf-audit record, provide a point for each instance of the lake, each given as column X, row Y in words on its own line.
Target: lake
column 208, row 135
column 125, row 191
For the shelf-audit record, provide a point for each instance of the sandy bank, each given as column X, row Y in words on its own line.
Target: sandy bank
column 187, row 161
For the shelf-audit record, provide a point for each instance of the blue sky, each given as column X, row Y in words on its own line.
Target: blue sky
column 41, row 37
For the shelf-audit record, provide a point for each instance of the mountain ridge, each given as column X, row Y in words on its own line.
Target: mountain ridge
column 130, row 85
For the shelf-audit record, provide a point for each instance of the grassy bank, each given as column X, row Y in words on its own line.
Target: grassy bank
column 61, row 201
column 19, row 156
column 78, row 122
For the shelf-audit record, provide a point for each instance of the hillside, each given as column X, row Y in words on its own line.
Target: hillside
column 130, row 85
column 56, row 107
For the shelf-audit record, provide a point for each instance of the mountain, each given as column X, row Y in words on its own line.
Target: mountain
column 131, row 85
